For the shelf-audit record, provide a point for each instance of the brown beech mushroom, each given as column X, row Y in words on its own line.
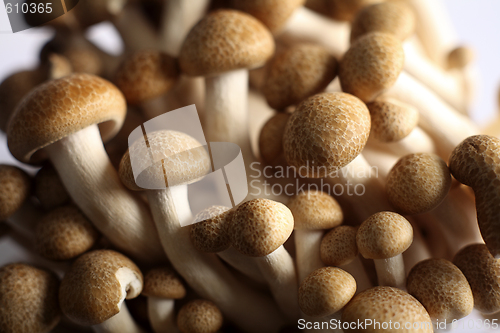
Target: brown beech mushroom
column 49, row 189
column 199, row 316
column 15, row 187
column 271, row 140
column 342, row 10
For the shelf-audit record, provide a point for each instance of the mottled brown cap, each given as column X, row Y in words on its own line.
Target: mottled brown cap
column 371, row 65
column 482, row 271
column 326, row 291
column 418, row 183
column 326, row 132
column 223, row 41
column 91, row 291
column 338, row 246
column 61, row 107
column 384, row 235
column 460, row 57
column 146, row 74
column 64, row 233
column 28, row 299
column 15, row 187
column 384, row 305
column 199, row 316
column 163, row 283
column 392, row 17
column 260, row 226
column 271, row 139
column 212, row 233
column 315, row 210
column 441, row 288
column 297, row 73
column 342, row 10
column 49, row 189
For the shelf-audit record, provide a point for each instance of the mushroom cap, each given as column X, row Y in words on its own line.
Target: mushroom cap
column 388, row 304
column 223, row 41
column 371, row 65
column 177, row 158
column 271, row 139
column 15, row 186
column 28, row 299
column 49, row 189
column 260, row 226
column 199, row 316
column 91, row 12
column 212, row 233
column 315, row 210
column 163, row 283
column 441, row 288
column 326, row 291
column 460, row 57
column 338, row 247
column 418, row 183
column 482, row 271
column 326, row 132
column 64, row 233
column 392, row 17
column 61, row 107
column 384, row 235
column 342, row 10
column 392, row 120
column 145, row 75
column 91, row 291
column 300, row 71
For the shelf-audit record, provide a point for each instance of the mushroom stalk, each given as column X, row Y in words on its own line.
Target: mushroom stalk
column 416, row 142
column 307, row 249
column 136, row 32
column 119, row 323
column 391, row 271
column 242, row 263
column 357, row 270
column 162, row 315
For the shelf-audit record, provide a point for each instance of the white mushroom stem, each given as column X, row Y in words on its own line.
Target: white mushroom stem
column 416, row 142
column 307, row 251
column 119, row 323
column 137, row 33
column 391, row 271
column 383, row 160
column 162, row 315
column 94, row 185
column 204, row 272
column 242, row 263
column 357, row 270
column 417, row 251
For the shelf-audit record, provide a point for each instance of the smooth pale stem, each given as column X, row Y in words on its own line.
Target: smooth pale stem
column 94, row 185
column 162, row 315
column 381, row 159
column 357, row 270
column 137, row 33
column 119, row 323
column 307, row 251
column 242, row 263
column 416, row 142
column 417, row 251
column 391, row 271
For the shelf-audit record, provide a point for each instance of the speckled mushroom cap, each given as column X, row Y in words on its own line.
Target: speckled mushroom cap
column 392, row 17
column 342, row 10
column 163, row 283
column 387, row 304
column 315, row 210
column 212, row 233
column 460, row 57
column 260, row 226
column 326, row 132
column 271, row 139
column 183, row 158
column 223, row 41
column 482, row 271
column 15, row 186
column 384, row 235
column 28, row 299
column 300, row 71
column 371, row 65
column 91, row 292
column 61, row 107
column 326, row 291
column 64, row 233
column 49, row 189
column 441, row 288
column 199, row 316
column 418, row 183
column 338, row 246
column 145, row 75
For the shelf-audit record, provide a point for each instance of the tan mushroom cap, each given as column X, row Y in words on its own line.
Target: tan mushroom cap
column 326, row 132
column 61, row 107
column 15, row 187
column 338, row 246
column 371, row 65
column 418, row 183
column 297, row 73
column 460, row 57
column 90, row 292
column 441, row 288
column 28, row 299
column 315, row 210
column 64, row 233
column 392, row 17
column 163, row 283
column 199, row 316
column 223, row 41
column 145, row 75
column 271, row 139
column 342, row 10
column 49, row 189
column 388, row 304
column 260, row 226
column 384, row 235
column 183, row 160
column 482, row 271
column 212, row 233
column 392, row 120
column 326, row 291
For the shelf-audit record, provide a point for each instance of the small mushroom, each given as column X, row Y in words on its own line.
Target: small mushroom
column 271, row 140
column 15, row 187
column 460, row 57
column 199, row 316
